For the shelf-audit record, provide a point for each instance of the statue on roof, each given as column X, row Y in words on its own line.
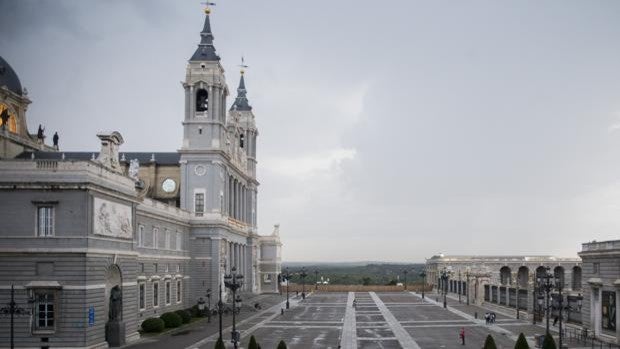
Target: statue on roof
column 40, row 133
column 55, row 139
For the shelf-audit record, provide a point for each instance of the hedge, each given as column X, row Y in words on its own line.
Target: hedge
column 153, row 325
column 171, row 319
column 186, row 317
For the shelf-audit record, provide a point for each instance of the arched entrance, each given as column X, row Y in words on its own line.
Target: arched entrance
column 113, row 307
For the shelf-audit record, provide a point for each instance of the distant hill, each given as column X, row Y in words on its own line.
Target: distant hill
column 355, row 273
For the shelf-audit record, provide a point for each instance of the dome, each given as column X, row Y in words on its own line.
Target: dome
column 9, row 78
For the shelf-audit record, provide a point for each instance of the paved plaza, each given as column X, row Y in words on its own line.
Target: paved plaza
column 379, row 320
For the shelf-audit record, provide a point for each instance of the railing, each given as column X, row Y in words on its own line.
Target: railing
column 585, row 338
column 47, row 164
column 603, row 245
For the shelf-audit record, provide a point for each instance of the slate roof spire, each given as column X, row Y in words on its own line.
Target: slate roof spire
column 241, row 102
column 205, row 50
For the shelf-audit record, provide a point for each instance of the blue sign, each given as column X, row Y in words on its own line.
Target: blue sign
column 91, row 316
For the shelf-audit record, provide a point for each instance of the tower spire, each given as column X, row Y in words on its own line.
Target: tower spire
column 241, row 102
column 206, row 50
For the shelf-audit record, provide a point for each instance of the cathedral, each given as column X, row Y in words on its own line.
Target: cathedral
column 94, row 237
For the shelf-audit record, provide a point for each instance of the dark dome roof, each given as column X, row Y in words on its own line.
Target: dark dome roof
column 9, row 78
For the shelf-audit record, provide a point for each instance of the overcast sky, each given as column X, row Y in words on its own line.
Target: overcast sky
column 389, row 130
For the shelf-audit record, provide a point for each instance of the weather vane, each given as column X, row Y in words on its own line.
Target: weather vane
column 207, row 4
column 243, row 65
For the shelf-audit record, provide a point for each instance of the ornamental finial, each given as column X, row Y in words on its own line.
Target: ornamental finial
column 207, row 9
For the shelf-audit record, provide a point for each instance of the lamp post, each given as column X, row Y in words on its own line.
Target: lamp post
column 460, row 288
column 303, row 275
column 546, row 286
column 287, row 277
column 444, row 281
column 467, row 284
column 220, row 311
column 316, row 279
column 208, row 304
column 405, row 273
column 517, row 300
column 234, row 281
column 423, row 276
column 11, row 309
column 534, row 302
column 559, row 285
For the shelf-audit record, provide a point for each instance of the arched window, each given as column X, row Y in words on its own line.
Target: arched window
column 7, row 117
column 505, row 276
column 523, row 276
column 202, row 100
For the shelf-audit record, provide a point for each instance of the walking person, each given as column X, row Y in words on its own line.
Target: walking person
column 462, row 335
column 492, row 318
column 487, row 318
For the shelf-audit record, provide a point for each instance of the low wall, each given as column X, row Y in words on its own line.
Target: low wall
column 354, row 288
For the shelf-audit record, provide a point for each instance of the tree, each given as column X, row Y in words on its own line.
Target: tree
column 366, row 281
column 522, row 342
column 220, row 344
column 253, row 344
column 549, row 342
column 489, row 343
column 281, row 345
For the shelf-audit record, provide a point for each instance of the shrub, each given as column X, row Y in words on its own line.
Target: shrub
column 522, row 342
column 281, row 345
column 171, row 319
column 253, row 344
column 219, row 344
column 185, row 316
column 489, row 343
column 549, row 342
column 153, row 325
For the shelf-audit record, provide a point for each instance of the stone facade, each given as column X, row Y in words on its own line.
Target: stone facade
column 601, row 287
column 163, row 227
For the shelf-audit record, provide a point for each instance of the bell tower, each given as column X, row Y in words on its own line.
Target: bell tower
column 204, row 130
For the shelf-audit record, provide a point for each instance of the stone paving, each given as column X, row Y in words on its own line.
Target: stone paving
column 377, row 320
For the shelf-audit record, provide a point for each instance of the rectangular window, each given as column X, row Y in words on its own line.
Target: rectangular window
column 595, row 267
column 45, row 311
column 179, row 299
column 141, row 267
column 179, row 241
column 199, row 204
column 178, row 268
column 167, row 268
column 167, row 292
column 167, row 239
column 155, row 294
column 155, row 238
column 141, row 236
column 45, row 220
column 142, row 295
column 155, row 267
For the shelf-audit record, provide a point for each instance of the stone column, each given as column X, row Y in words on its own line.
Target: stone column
column 595, row 306
column 187, row 102
column 210, row 98
column 192, row 102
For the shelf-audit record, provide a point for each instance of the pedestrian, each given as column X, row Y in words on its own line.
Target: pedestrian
column 462, row 335
column 555, row 320
column 487, row 317
column 492, row 317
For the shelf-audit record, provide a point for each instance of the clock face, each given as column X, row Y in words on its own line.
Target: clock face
column 200, row 170
column 168, row 185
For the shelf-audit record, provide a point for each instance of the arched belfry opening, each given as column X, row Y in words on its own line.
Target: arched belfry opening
column 202, row 100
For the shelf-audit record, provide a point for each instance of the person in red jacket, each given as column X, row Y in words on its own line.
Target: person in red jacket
column 462, row 335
